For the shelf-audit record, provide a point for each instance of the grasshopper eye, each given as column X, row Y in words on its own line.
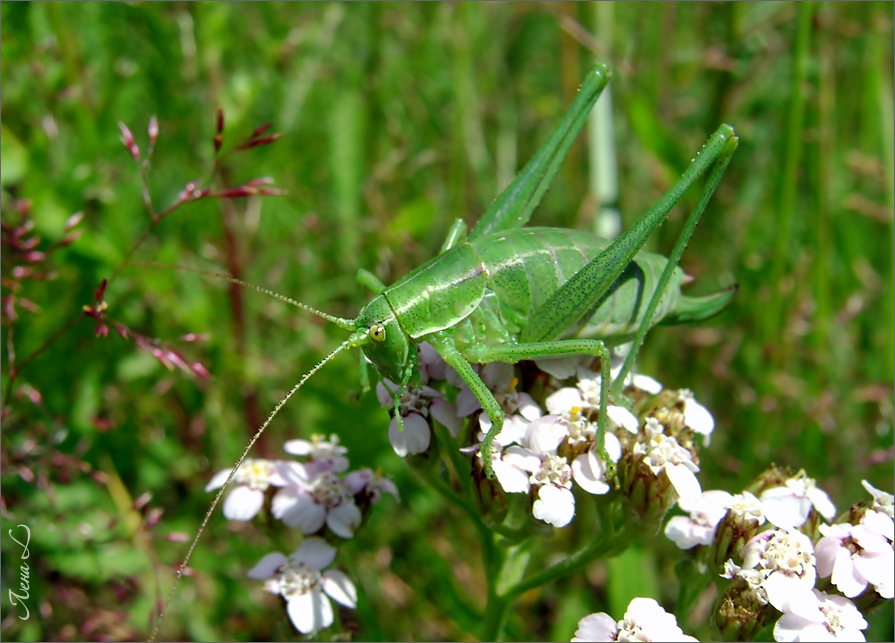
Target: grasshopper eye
column 377, row 333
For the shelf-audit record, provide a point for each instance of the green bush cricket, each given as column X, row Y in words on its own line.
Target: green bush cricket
column 507, row 293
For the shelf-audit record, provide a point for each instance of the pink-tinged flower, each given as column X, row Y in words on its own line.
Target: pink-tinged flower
column 309, row 502
column 410, row 434
column 789, row 505
column 252, row 479
column 857, row 555
column 645, row 620
column 779, row 565
column 706, row 511
column 535, row 464
column 301, row 581
column 371, row 483
column 323, row 454
column 839, row 620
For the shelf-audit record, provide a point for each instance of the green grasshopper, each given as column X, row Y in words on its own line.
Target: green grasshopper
column 506, row 293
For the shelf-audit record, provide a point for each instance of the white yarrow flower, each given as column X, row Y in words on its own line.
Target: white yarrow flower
column 663, row 453
column 747, row 508
column 252, row 479
column 857, row 555
column 325, row 454
column 589, row 470
column 780, row 565
column 839, row 620
column 535, row 463
column 645, row 620
column 308, row 503
column 300, row 580
column 706, row 511
column 372, row 483
column 789, row 505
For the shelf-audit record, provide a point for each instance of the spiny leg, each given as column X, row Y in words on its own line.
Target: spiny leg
column 719, row 165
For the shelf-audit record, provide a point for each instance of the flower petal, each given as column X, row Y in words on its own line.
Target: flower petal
column 564, row 399
column 267, row 566
column 596, row 627
column 555, row 505
column 683, row 480
column 298, row 510
column 315, row 553
column 298, row 447
column 413, row 439
column 217, row 481
column 310, row 611
column 340, row 588
column 344, row 519
column 559, row 367
column 545, row 434
column 588, row 472
column 446, row 414
column 623, row 418
column 243, row 503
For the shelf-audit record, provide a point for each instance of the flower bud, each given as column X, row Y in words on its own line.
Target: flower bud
column 740, row 616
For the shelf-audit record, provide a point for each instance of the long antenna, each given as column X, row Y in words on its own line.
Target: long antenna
column 347, row 324
column 350, row 342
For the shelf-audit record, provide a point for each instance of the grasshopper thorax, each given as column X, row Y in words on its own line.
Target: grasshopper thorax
column 387, row 346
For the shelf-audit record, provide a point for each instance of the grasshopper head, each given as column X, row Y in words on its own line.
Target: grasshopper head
column 385, row 342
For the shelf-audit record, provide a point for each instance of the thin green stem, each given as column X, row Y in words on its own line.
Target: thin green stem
column 15, row 370
column 604, row 546
column 463, row 504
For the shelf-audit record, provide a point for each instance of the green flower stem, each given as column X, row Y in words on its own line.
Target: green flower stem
column 459, row 465
column 463, row 504
column 505, row 582
column 692, row 581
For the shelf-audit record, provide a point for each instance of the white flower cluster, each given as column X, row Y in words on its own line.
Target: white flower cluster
column 545, row 454
column 313, row 496
column 645, row 620
column 780, row 565
column 546, row 451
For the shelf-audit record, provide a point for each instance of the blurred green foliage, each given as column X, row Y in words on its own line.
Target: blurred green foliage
column 396, row 119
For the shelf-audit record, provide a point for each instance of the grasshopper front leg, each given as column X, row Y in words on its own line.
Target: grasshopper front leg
column 444, row 344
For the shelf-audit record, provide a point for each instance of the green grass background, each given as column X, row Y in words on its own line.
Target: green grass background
column 397, row 118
